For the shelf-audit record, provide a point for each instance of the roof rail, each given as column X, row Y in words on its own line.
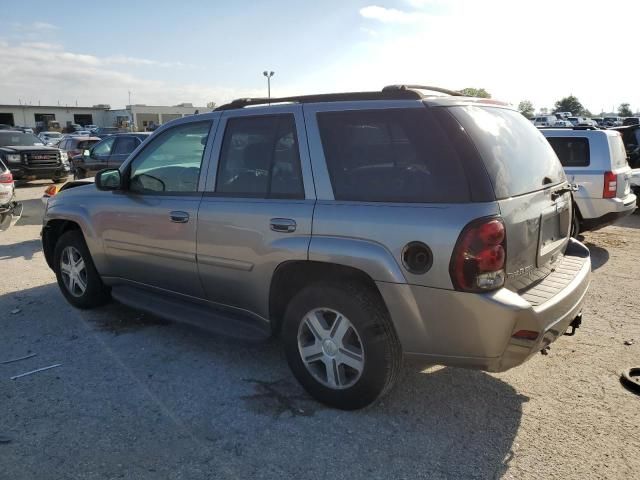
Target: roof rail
column 393, row 94
column 392, row 88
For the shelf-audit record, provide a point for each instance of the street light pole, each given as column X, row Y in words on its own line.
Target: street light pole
column 268, row 75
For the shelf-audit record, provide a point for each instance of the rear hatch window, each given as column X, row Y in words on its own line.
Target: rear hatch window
column 618, row 152
column 518, row 158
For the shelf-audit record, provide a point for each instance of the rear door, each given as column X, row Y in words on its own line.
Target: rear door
column 122, row 148
column 525, row 173
column 257, row 209
column 98, row 156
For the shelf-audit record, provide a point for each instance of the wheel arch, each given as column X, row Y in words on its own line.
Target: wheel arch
column 51, row 232
column 291, row 277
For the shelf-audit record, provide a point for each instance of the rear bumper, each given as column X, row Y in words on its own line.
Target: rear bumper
column 615, row 208
column 29, row 173
column 476, row 330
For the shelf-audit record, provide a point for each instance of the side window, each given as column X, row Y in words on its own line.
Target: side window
column 391, row 155
column 125, row 145
column 104, row 147
column 260, row 158
column 572, row 151
column 171, row 162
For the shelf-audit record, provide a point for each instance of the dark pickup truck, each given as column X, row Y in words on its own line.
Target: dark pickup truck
column 28, row 159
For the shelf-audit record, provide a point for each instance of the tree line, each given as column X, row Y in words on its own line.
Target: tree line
column 566, row 104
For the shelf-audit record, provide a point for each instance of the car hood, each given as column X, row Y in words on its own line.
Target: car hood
column 18, row 149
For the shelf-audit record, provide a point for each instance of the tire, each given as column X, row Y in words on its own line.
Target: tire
column 94, row 293
column 79, row 174
column 367, row 336
column 575, row 223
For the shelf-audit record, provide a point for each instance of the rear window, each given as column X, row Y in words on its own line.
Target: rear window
column 572, row 151
column 391, row 155
column 618, row 152
column 516, row 155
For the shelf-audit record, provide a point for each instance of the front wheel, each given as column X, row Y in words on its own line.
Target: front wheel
column 77, row 276
column 341, row 345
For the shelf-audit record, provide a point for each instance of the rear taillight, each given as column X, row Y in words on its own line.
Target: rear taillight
column 610, row 185
column 6, row 177
column 477, row 264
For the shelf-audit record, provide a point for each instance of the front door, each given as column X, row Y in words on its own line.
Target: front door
column 257, row 209
column 149, row 229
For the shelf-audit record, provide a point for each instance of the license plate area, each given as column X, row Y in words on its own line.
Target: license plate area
column 555, row 224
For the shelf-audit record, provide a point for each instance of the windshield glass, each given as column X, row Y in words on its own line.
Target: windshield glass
column 516, row 155
column 18, row 139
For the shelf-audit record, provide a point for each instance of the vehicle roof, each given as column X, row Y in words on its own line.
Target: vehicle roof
column 442, row 97
column 84, row 138
column 577, row 132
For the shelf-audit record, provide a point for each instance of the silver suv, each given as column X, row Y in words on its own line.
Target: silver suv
column 363, row 227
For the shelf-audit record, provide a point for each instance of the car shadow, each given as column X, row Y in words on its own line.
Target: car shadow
column 599, row 255
column 153, row 396
column 24, row 250
column 32, row 212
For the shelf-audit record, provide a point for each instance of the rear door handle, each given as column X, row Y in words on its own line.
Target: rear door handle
column 284, row 225
column 179, row 217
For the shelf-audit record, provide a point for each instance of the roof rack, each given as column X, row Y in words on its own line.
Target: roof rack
column 393, row 88
column 390, row 92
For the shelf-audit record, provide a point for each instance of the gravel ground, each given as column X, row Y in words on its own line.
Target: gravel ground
column 138, row 398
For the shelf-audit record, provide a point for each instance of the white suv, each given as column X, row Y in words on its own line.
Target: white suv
column 596, row 161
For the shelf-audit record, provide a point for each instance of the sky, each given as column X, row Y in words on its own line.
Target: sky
column 169, row 52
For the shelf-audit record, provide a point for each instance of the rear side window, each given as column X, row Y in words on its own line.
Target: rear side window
column 260, row 158
column 391, row 155
column 517, row 156
column 572, row 152
column 125, row 145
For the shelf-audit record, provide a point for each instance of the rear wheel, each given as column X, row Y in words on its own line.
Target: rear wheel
column 341, row 345
column 77, row 276
column 575, row 222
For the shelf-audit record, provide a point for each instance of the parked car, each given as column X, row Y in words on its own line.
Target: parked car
column 90, row 127
column 562, row 123
column 103, row 131
column 50, row 138
column 108, row 153
column 631, row 121
column 613, row 121
column 631, row 139
column 595, row 161
column 414, row 201
column 10, row 210
column 599, row 121
column 76, row 145
column 545, row 121
column 28, row 159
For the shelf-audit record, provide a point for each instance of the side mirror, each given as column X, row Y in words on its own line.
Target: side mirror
column 109, row 179
column 86, row 153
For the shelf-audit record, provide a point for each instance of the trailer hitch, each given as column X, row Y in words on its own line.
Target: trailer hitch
column 574, row 325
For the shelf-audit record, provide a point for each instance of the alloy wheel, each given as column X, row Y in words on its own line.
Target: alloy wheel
column 73, row 271
column 331, row 348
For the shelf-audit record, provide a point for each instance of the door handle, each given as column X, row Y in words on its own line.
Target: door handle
column 284, row 225
column 179, row 217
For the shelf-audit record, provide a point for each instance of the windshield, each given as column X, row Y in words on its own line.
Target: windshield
column 516, row 155
column 18, row 139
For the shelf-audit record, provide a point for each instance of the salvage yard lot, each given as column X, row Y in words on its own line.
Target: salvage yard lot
column 136, row 397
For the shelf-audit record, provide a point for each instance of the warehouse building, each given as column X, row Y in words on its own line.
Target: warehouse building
column 140, row 117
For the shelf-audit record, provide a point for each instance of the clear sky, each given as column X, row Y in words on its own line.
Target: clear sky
column 168, row 52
